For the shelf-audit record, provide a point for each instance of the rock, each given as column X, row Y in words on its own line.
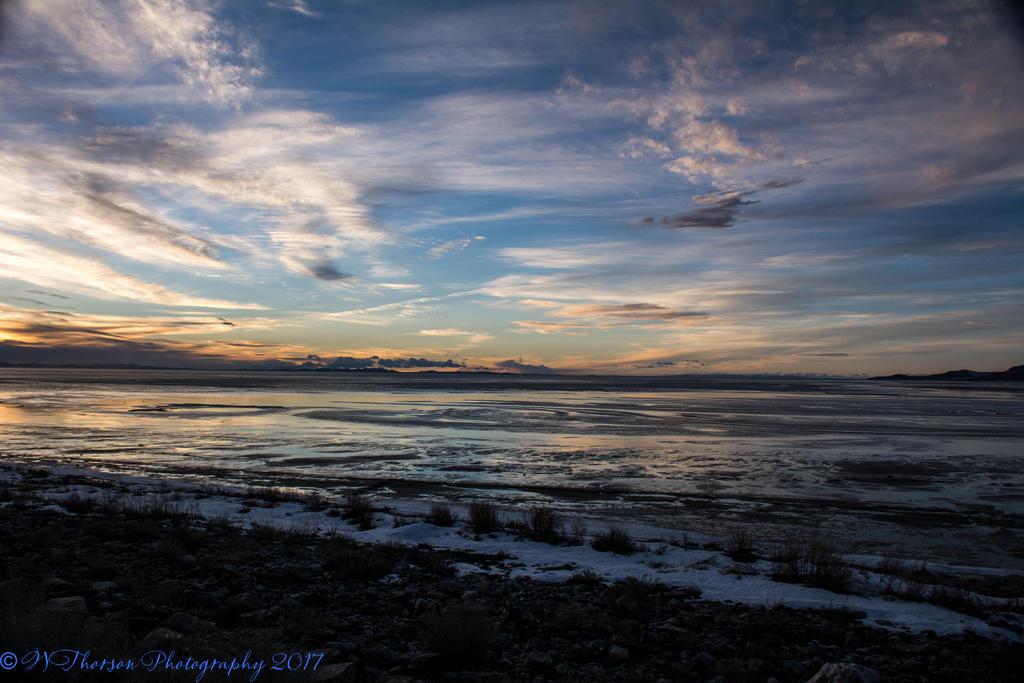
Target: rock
column 539, row 660
column 199, row 599
column 424, row 660
column 103, row 586
column 704, row 659
column 348, row 672
column 159, row 636
column 54, row 584
column 182, row 622
column 844, row 672
column 618, row 655
column 73, row 603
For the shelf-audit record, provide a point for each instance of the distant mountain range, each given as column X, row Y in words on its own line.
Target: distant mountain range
column 1014, row 374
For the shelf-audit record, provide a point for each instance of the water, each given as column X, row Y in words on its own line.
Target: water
column 881, row 466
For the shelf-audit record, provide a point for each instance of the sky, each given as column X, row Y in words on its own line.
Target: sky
column 580, row 187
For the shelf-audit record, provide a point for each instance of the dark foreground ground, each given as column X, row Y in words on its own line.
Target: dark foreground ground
column 160, row 590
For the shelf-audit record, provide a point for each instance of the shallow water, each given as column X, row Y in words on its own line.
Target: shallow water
column 877, row 464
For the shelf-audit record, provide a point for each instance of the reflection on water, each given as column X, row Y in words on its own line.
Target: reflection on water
column 608, row 440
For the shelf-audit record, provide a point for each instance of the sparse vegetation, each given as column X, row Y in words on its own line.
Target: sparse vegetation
column 315, row 501
column 269, row 494
column 614, row 539
column 483, row 517
column 814, row 563
column 441, row 515
column 76, row 503
column 637, row 589
column 544, row 525
column 424, row 621
column 358, row 510
column 740, row 546
column 153, row 507
column 689, row 591
column 577, row 532
column 585, row 577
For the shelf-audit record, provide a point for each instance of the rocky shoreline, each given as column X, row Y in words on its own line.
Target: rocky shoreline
column 110, row 585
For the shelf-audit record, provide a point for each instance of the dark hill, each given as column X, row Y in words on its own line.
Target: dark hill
column 1014, row 374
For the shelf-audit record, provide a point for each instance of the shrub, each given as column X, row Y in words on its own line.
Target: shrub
column 77, row 504
column 316, row 501
column 956, row 599
column 359, row 510
column 544, row 525
column 577, row 532
column 740, row 546
column 269, row 494
column 826, row 568
column 633, row 589
column 441, row 515
column 815, row 564
column 787, row 561
column 483, row 517
column 435, row 562
column 615, row 539
column 151, row 507
column 690, row 591
column 585, row 577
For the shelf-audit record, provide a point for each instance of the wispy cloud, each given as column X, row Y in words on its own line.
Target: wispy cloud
column 452, row 246
column 34, row 262
column 547, row 327
column 127, row 41
column 633, row 311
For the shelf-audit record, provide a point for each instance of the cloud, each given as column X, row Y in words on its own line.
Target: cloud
column 639, row 147
column 42, row 293
column 780, row 183
column 716, row 212
column 60, row 337
column 355, row 363
column 524, row 368
column 349, row 362
column 407, row 286
column 125, row 41
column 452, row 246
column 473, row 337
column 38, row 264
column 712, row 137
column 538, row 303
column 109, row 191
column 297, row 6
column 417, row 363
column 635, row 311
column 443, row 333
column 720, row 209
column 327, row 272
column 661, row 364
column 545, row 327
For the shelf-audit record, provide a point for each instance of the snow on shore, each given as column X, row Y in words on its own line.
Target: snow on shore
column 669, row 556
